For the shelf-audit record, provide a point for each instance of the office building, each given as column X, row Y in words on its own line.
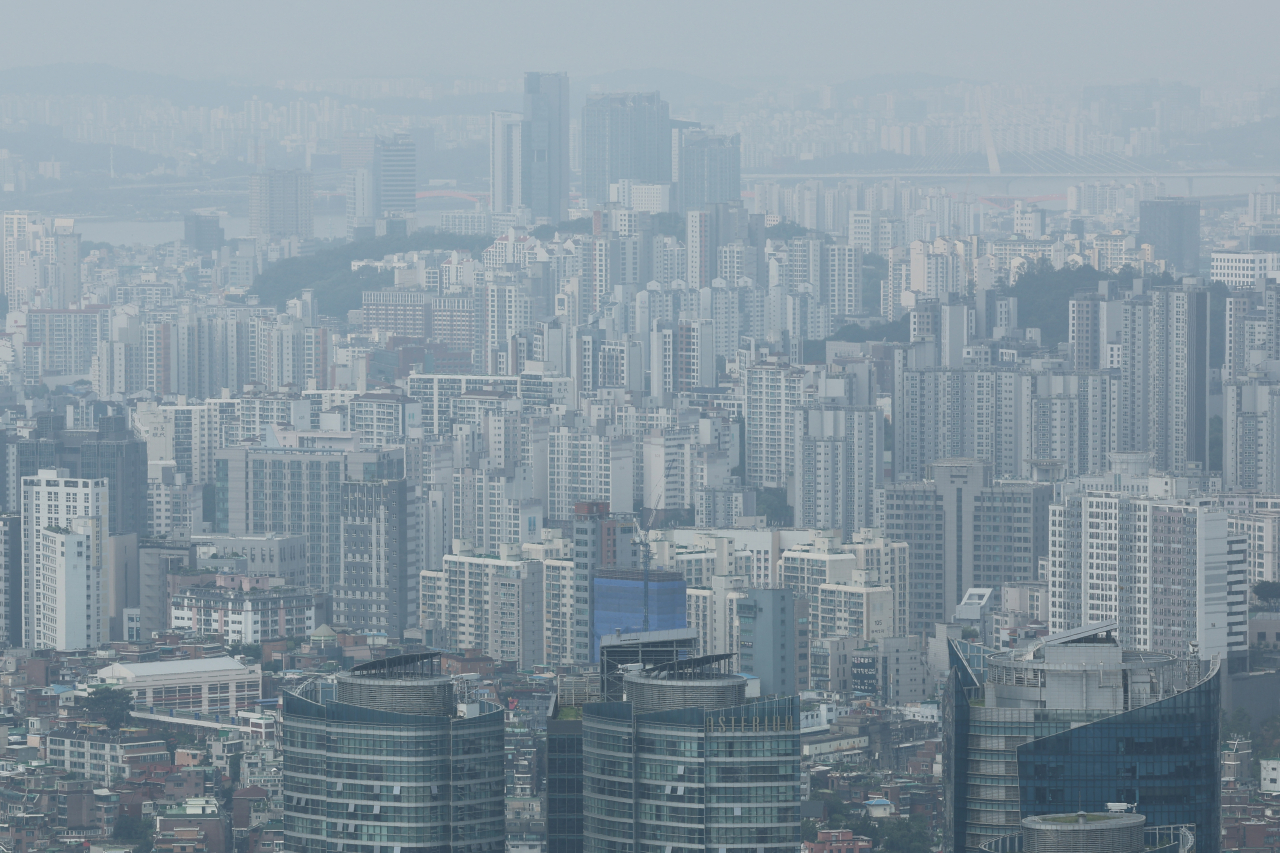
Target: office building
column 61, row 589
column 112, row 453
column 396, row 166
column 965, row 530
column 1113, row 831
column 1072, row 721
column 1243, row 270
column 1171, row 226
column 624, row 137
column 710, row 170
column 280, row 205
column 394, row 313
column 545, row 137
column 564, row 776
column 693, row 700
column 506, row 168
column 432, row 775
column 203, row 232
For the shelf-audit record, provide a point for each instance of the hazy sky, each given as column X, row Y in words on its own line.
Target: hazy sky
column 1084, row 41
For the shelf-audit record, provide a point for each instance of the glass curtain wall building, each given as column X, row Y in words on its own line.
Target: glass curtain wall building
column 1074, row 722
column 378, row 761
column 691, row 779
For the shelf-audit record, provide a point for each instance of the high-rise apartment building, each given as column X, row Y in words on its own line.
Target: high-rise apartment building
column 1168, row 572
column 280, row 204
column 300, row 491
column 490, row 603
column 376, row 588
column 545, row 137
column 838, row 467
column 624, row 137
column 186, row 435
column 774, row 395
column 589, row 466
column 860, row 589
column 63, row 537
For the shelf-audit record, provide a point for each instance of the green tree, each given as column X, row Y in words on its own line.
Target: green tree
column 772, row 504
column 906, row 836
column 808, row 830
column 110, row 705
column 1267, row 591
column 133, row 831
column 1238, row 725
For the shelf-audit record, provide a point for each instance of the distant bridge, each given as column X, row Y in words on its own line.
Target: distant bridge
column 1136, row 173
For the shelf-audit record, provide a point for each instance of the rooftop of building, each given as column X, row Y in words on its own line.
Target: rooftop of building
column 194, row 666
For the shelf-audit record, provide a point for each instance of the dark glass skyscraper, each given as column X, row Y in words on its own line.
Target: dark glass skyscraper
column 112, row 451
column 1073, row 722
column 624, row 136
column 545, row 139
column 396, row 164
column 564, row 779
column 710, row 170
column 378, row 761
column 1172, row 227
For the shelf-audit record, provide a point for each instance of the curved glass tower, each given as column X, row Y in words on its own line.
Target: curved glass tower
column 377, row 761
column 691, row 779
column 1074, row 723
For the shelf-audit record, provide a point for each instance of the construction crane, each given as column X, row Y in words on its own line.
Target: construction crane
column 642, row 538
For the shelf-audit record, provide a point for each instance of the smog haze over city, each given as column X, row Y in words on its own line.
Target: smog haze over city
column 580, row 427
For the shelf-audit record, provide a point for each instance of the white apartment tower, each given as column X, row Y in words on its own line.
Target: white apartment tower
column 62, row 542
column 1171, row 573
